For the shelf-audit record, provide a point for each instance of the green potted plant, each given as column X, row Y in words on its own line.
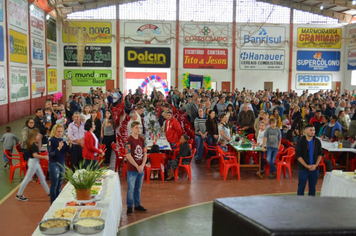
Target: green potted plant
column 83, row 179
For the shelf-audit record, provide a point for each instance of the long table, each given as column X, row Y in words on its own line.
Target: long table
column 330, row 147
column 110, row 203
column 162, row 142
column 239, row 149
column 336, row 185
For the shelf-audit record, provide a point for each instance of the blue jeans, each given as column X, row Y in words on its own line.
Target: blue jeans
column 263, row 160
column 271, row 157
column 56, row 174
column 199, row 146
column 134, row 185
column 5, row 157
column 303, row 177
column 211, row 142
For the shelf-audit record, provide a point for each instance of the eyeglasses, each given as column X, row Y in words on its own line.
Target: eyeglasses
column 31, row 122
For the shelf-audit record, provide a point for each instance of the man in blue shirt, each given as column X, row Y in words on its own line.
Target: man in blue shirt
column 309, row 153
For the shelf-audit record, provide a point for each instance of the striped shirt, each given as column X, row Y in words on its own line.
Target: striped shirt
column 199, row 124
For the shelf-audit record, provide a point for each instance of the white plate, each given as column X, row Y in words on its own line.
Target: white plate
column 71, row 218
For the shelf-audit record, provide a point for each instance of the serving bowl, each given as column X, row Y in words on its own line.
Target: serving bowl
column 56, row 230
column 88, row 229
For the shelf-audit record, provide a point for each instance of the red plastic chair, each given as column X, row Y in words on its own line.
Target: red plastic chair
column 322, row 165
column 157, row 161
column 280, row 151
column 119, row 158
column 250, row 137
column 188, row 168
column 24, row 163
column 286, row 162
column 13, row 166
column 330, row 156
column 212, row 149
column 225, row 165
column 43, row 164
column 101, row 158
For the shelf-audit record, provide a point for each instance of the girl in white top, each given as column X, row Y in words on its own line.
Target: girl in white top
column 86, row 113
column 261, row 133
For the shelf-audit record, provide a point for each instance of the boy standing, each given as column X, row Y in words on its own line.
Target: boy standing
column 273, row 137
column 8, row 140
column 136, row 154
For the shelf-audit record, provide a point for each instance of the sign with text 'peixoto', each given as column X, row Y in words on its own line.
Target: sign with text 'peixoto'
column 260, row 59
column 88, row 77
column 94, row 56
column 148, row 57
column 266, row 36
column 314, row 81
column 319, row 37
column 318, row 60
column 52, row 80
column 18, row 47
column 98, row 32
column 203, row 58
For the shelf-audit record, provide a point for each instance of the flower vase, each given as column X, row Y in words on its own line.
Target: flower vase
column 83, row 194
column 156, row 138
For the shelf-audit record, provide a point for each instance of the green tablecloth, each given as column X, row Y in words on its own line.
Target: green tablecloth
column 238, row 147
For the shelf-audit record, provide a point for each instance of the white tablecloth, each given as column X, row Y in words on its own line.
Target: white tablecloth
column 330, row 147
column 110, row 203
column 161, row 142
column 338, row 185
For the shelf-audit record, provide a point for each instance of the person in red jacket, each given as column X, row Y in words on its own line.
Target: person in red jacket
column 173, row 130
column 91, row 145
column 317, row 121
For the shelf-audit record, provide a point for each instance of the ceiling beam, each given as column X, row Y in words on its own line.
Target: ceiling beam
column 342, row 17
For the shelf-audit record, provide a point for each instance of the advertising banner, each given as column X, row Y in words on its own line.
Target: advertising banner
column 52, row 29
column 18, row 47
column 260, row 59
column 51, row 54
column 37, row 21
column 143, row 33
column 1, row 10
column 98, row 32
column 266, row 36
column 206, row 35
column 3, row 86
column 17, row 13
column 2, row 45
column 147, row 57
column 52, row 80
column 92, row 78
column 19, row 84
column 94, row 56
column 318, row 60
column 38, row 81
column 351, row 59
column 203, row 58
column 352, row 35
column 314, row 81
column 319, row 37
column 38, row 49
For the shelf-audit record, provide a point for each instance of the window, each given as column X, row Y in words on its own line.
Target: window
column 260, row 12
column 102, row 13
column 206, row 10
column 302, row 17
column 149, row 10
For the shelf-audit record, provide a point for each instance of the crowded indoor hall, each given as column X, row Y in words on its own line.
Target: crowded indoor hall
column 177, row 117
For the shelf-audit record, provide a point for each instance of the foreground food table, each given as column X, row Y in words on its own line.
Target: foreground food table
column 330, row 147
column 339, row 185
column 110, row 203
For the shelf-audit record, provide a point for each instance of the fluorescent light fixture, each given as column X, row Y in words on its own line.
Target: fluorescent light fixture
column 48, row 16
column 321, row 7
column 32, row 7
column 354, row 2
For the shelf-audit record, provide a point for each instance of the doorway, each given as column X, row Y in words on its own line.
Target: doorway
column 225, row 86
column 337, row 86
column 268, row 86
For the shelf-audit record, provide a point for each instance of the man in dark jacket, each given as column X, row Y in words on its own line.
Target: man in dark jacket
column 309, row 153
column 39, row 124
